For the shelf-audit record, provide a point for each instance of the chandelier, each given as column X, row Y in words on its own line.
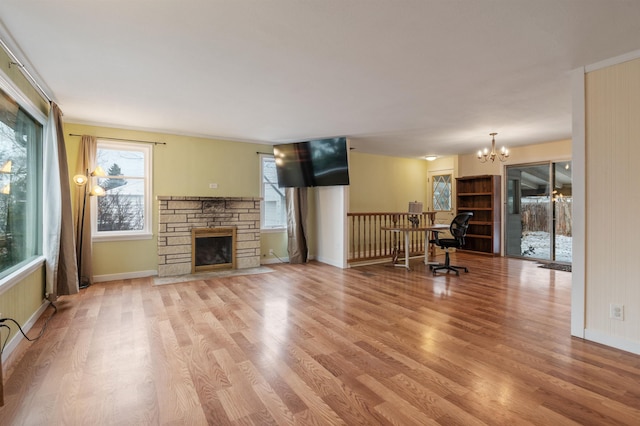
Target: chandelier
column 486, row 155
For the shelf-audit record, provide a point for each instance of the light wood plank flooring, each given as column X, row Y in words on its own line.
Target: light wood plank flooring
column 316, row 345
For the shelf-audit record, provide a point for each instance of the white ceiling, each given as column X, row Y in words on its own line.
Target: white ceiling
column 404, row 78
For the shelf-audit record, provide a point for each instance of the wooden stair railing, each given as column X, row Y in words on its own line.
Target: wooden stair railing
column 368, row 242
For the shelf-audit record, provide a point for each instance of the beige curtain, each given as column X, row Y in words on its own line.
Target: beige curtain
column 86, row 164
column 296, row 199
column 58, row 239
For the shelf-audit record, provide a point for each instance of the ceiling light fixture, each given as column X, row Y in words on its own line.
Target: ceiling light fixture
column 486, row 155
column 430, row 157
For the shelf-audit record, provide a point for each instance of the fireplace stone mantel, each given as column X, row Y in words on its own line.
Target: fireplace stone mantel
column 178, row 215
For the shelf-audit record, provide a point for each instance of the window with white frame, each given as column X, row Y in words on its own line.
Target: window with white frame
column 124, row 212
column 20, row 185
column 273, row 209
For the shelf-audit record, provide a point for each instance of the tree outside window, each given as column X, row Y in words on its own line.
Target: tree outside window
column 125, row 207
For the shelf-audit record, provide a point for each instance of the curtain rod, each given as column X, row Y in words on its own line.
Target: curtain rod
column 15, row 61
column 124, row 140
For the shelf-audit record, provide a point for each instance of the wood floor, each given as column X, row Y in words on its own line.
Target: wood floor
column 316, row 345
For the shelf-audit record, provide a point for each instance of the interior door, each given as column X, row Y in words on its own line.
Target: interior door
column 441, row 198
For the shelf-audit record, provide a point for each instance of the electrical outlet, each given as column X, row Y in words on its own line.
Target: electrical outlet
column 616, row 311
column 213, row 186
column 270, row 252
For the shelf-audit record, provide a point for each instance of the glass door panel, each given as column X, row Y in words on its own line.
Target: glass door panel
column 528, row 224
column 562, row 203
column 441, row 191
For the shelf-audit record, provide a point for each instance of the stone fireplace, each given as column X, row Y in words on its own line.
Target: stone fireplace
column 180, row 218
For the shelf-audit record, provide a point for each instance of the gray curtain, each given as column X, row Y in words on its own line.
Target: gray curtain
column 59, row 250
column 296, row 199
column 86, row 164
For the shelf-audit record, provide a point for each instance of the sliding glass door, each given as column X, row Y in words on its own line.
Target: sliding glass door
column 538, row 211
column 561, row 198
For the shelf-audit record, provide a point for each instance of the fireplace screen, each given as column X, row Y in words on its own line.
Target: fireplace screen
column 213, row 248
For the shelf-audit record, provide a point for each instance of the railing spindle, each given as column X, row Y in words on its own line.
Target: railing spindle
column 369, row 242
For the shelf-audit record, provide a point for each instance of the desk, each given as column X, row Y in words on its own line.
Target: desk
column 408, row 230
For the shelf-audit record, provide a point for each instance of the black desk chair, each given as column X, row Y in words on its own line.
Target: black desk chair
column 458, row 230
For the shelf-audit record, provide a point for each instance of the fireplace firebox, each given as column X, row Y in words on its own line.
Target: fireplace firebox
column 213, row 248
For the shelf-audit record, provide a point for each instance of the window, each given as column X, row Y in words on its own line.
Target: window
column 441, row 191
column 20, row 186
column 273, row 209
column 124, row 212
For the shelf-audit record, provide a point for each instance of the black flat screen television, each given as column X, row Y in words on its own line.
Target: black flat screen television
column 321, row 162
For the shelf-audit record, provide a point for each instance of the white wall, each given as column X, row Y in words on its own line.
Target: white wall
column 331, row 224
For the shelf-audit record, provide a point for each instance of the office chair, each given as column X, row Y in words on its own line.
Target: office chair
column 458, row 230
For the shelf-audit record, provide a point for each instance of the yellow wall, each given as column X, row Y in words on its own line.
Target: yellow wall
column 443, row 163
column 612, row 151
column 385, row 184
column 184, row 166
column 22, row 300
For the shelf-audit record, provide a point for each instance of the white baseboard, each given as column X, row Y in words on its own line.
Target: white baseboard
column 333, row 262
column 124, row 276
column 613, row 341
column 17, row 338
column 274, row 260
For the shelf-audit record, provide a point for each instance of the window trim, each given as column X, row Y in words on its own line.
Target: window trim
column 264, row 229
column 12, row 90
column 28, row 266
column 146, row 233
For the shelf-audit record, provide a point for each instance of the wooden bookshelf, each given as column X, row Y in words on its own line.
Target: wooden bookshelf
column 481, row 196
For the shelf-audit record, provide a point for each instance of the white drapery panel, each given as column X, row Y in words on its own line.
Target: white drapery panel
column 58, row 243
